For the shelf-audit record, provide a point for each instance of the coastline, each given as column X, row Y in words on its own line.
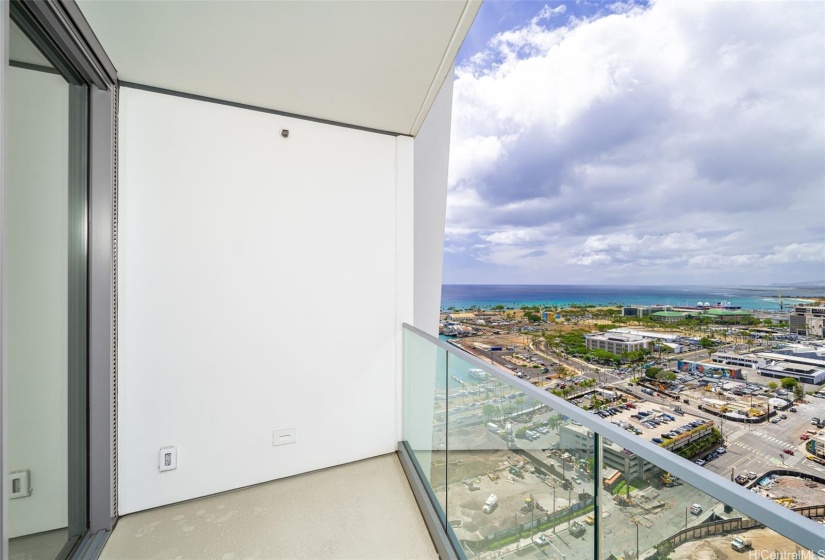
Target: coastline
column 464, row 296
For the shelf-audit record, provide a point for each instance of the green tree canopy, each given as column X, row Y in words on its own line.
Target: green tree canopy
column 788, row 383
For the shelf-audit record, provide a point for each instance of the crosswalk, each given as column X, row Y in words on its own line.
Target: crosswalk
column 771, row 452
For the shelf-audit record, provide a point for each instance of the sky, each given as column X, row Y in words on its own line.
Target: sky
column 639, row 143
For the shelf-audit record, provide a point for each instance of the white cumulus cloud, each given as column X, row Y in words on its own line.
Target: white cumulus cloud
column 674, row 142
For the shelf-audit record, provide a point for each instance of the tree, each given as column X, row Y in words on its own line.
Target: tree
column 653, row 372
column 489, row 411
column 772, row 385
column 799, row 392
column 666, row 376
column 788, row 383
column 532, row 317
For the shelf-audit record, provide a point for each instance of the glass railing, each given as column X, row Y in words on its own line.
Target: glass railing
column 515, row 471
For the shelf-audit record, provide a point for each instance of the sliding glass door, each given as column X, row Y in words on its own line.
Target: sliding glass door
column 46, row 220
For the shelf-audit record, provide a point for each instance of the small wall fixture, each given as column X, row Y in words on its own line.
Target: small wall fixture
column 20, row 484
column 284, row 133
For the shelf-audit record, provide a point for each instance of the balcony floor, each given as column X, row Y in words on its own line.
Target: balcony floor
column 360, row 510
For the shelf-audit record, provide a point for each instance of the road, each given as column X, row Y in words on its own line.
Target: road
column 758, row 447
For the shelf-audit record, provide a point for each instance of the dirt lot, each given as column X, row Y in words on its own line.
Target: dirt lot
column 765, row 543
column 468, row 464
column 803, row 492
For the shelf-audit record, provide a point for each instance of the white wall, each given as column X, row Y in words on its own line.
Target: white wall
column 257, row 291
column 432, row 154
column 431, row 159
column 36, row 225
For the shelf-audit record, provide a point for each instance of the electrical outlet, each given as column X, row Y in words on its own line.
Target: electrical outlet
column 283, row 437
column 20, row 484
column 168, row 460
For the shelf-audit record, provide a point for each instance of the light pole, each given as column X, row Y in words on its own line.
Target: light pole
column 637, row 538
column 554, row 509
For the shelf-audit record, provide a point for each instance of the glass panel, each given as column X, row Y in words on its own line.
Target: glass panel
column 425, row 410
column 519, row 474
column 45, row 221
column 647, row 510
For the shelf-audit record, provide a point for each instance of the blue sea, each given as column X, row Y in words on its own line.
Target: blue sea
column 748, row 297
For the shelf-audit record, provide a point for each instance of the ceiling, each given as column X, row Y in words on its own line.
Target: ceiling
column 370, row 63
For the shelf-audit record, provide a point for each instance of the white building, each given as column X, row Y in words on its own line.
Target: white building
column 731, row 359
column 804, row 369
column 617, row 343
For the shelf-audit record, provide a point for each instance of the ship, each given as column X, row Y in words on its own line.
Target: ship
column 478, row 374
column 707, row 305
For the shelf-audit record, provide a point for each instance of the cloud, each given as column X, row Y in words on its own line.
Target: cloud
column 682, row 140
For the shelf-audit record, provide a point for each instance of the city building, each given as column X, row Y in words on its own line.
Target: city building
column 617, row 343
column 577, row 438
column 726, row 315
column 731, row 359
column 807, row 320
column 802, row 363
column 709, row 369
column 802, row 372
column 817, row 445
column 461, row 317
column 643, row 310
column 668, row 316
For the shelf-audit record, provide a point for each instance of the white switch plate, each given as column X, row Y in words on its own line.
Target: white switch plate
column 20, row 484
column 283, row 437
column 168, row 458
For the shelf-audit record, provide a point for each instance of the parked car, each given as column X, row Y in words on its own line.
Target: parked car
column 699, row 462
column 720, row 450
column 792, row 409
column 804, row 436
column 695, row 509
column 542, row 540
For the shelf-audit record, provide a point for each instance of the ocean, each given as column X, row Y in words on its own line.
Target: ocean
column 463, row 296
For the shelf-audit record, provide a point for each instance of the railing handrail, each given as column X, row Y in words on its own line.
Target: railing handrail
column 798, row 528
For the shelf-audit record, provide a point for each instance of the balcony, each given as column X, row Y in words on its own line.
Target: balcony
column 497, row 467
column 359, row 510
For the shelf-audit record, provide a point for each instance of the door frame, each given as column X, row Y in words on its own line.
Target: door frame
column 66, row 34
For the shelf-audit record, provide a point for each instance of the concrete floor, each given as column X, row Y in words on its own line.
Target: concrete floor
column 358, row 511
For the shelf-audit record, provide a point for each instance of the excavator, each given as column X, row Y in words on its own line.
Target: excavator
column 667, row 480
column 528, row 505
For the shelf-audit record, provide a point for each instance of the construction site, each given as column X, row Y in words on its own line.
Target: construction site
column 491, row 492
column 731, row 399
column 791, row 491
